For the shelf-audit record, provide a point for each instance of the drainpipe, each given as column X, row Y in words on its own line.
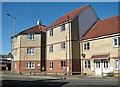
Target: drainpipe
column 69, row 45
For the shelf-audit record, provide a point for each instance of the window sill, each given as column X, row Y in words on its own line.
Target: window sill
column 30, row 54
column 51, row 68
column 30, row 68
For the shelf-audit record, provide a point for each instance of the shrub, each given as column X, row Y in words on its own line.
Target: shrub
column 110, row 74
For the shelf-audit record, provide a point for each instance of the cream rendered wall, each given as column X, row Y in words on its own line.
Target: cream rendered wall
column 25, row 56
column 15, row 47
column 102, row 46
column 35, row 42
column 21, row 47
column 98, row 47
column 58, row 36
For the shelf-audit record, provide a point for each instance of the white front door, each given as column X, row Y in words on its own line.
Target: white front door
column 98, row 68
column 105, row 66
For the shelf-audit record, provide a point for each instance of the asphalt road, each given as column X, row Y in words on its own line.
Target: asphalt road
column 39, row 81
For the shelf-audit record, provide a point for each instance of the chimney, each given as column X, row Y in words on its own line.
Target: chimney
column 39, row 22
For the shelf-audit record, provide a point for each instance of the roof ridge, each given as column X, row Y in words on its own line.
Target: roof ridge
column 71, row 15
column 110, row 17
column 77, row 9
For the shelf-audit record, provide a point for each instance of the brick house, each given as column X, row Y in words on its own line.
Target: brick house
column 62, row 36
column 28, row 49
column 100, row 46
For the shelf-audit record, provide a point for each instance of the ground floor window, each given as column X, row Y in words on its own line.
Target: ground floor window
column 30, row 65
column 105, row 64
column 87, row 64
column 62, row 64
column 51, row 65
column 117, row 66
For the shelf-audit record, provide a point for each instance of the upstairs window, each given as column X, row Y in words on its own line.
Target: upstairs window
column 62, row 28
column 51, row 48
column 30, row 50
column 62, row 45
column 116, row 42
column 63, row 64
column 51, row 32
column 87, row 63
column 86, row 46
column 30, row 36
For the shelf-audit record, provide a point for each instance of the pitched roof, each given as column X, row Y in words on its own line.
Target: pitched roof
column 68, row 16
column 34, row 29
column 104, row 27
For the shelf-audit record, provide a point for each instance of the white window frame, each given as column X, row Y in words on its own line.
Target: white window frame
column 51, row 32
column 30, row 65
column 63, row 46
column 30, row 36
column 87, row 64
column 30, row 50
column 51, row 65
column 63, row 64
column 117, row 43
column 62, row 28
column 51, row 48
column 87, row 46
column 117, row 64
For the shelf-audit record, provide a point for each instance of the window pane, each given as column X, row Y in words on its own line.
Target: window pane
column 84, row 46
column 118, row 41
column 85, row 64
column 88, row 46
column 51, row 32
column 88, row 63
column 117, row 64
column 115, row 41
column 63, row 27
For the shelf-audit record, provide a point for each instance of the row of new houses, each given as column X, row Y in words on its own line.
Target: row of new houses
column 77, row 42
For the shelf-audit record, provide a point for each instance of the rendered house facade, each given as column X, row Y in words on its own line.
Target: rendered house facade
column 62, row 46
column 101, row 45
column 28, row 49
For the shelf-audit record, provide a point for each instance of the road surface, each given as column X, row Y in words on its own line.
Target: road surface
column 40, row 81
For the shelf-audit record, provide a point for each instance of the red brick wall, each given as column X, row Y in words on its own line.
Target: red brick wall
column 21, row 67
column 56, row 65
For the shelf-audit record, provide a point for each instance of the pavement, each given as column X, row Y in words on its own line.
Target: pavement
column 58, row 77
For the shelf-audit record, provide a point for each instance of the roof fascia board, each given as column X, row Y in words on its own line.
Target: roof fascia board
column 59, row 25
column 24, row 34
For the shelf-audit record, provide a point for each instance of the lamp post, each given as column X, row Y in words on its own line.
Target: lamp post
column 14, row 18
column 14, row 31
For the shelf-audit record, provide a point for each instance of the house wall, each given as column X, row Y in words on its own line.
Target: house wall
column 100, row 46
column 87, row 18
column 75, row 46
column 21, row 57
column 58, row 53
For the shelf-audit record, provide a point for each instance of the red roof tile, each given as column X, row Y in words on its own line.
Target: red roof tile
column 68, row 16
column 35, row 29
column 104, row 27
